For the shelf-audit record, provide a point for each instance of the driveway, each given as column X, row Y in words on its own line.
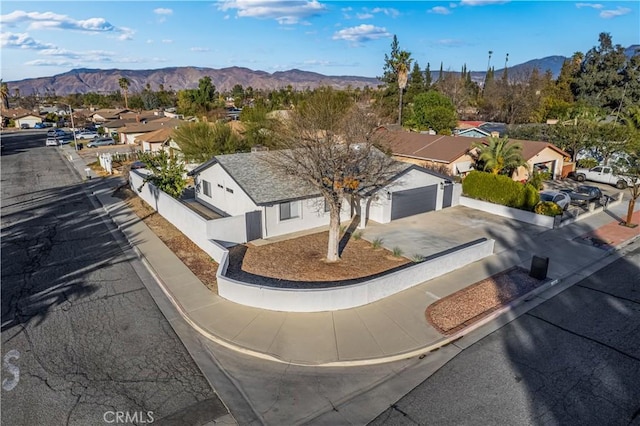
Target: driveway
column 433, row 232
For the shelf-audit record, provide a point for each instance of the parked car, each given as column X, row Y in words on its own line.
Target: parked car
column 101, row 142
column 55, row 133
column 562, row 199
column 584, row 194
column 87, row 134
column 52, row 141
column 39, row 126
column 24, row 126
column 602, row 174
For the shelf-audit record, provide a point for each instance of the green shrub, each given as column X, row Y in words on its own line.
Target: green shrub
column 357, row 235
column 377, row 243
column 548, row 208
column 587, row 163
column 500, row 189
column 417, row 258
column 397, row 251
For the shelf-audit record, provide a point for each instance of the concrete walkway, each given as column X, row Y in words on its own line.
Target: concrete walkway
column 390, row 329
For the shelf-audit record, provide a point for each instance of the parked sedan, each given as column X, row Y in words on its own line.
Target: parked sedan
column 562, row 199
column 584, row 194
column 53, row 141
column 86, row 134
column 101, row 142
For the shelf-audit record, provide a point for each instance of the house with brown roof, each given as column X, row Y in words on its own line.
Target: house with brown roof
column 156, row 140
column 454, row 154
column 102, row 115
column 130, row 131
column 20, row 116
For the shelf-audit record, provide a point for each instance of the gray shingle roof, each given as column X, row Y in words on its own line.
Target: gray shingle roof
column 265, row 185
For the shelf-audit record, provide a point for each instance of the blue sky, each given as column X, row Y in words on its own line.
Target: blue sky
column 330, row 37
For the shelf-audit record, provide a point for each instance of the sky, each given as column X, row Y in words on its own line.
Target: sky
column 41, row 39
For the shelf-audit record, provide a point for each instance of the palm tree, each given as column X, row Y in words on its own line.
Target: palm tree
column 124, row 85
column 4, row 95
column 402, row 62
column 499, row 156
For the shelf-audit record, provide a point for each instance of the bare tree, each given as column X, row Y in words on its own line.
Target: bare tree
column 329, row 144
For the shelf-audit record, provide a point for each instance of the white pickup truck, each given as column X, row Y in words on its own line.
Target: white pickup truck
column 602, row 174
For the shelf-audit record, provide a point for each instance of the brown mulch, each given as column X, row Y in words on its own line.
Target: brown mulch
column 199, row 262
column 471, row 304
column 303, row 259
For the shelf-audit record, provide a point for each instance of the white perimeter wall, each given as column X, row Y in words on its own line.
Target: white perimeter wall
column 510, row 212
column 331, row 299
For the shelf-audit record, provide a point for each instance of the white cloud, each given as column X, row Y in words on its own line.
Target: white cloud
column 23, row 41
column 608, row 14
column 286, row 12
column 54, row 21
column 439, row 10
column 200, row 49
column 361, row 33
column 482, row 2
column 163, row 11
column 387, row 11
column 364, row 15
column 592, row 5
column 452, row 5
column 167, row 41
column 450, row 42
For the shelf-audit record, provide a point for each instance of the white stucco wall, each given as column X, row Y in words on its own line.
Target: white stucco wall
column 31, row 120
column 233, row 204
column 350, row 296
column 509, row 212
column 311, row 215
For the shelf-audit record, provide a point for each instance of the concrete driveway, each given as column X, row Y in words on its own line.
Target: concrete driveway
column 430, row 233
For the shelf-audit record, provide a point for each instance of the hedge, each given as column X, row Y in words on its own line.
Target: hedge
column 500, row 189
column 548, row 208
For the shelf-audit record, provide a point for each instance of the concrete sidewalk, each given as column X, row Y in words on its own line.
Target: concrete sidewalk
column 390, row 329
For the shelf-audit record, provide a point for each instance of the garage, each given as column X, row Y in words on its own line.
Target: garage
column 413, row 201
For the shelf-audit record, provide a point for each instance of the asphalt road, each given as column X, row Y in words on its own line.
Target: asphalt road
column 83, row 342
column 573, row 360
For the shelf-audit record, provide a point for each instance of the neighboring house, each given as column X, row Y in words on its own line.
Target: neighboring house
column 130, row 131
column 455, row 154
column 239, row 184
column 472, row 132
column 102, row 115
column 20, row 116
column 155, row 141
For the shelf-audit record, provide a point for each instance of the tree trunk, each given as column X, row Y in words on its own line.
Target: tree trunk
column 632, row 206
column 400, row 108
column 334, row 234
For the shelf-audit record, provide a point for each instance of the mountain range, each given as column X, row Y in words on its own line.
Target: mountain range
column 104, row 81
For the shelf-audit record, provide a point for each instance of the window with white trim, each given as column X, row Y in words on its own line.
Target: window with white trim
column 206, row 188
column 289, row 210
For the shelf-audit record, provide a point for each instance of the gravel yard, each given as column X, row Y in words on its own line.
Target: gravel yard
column 473, row 303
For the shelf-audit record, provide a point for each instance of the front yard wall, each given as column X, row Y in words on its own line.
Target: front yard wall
column 509, row 212
column 198, row 229
column 350, row 296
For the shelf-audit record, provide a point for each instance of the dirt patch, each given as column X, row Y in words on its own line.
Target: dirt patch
column 303, row 259
column 475, row 302
column 199, row 262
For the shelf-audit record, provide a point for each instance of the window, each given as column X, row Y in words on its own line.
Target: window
column 229, row 190
column 289, row 210
column 206, row 188
column 606, row 170
column 220, row 186
column 326, row 206
column 597, row 169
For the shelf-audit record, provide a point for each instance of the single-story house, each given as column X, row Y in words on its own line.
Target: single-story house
column 20, row 116
column 454, row 154
column 156, row 140
column 130, row 131
column 245, row 183
column 102, row 115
